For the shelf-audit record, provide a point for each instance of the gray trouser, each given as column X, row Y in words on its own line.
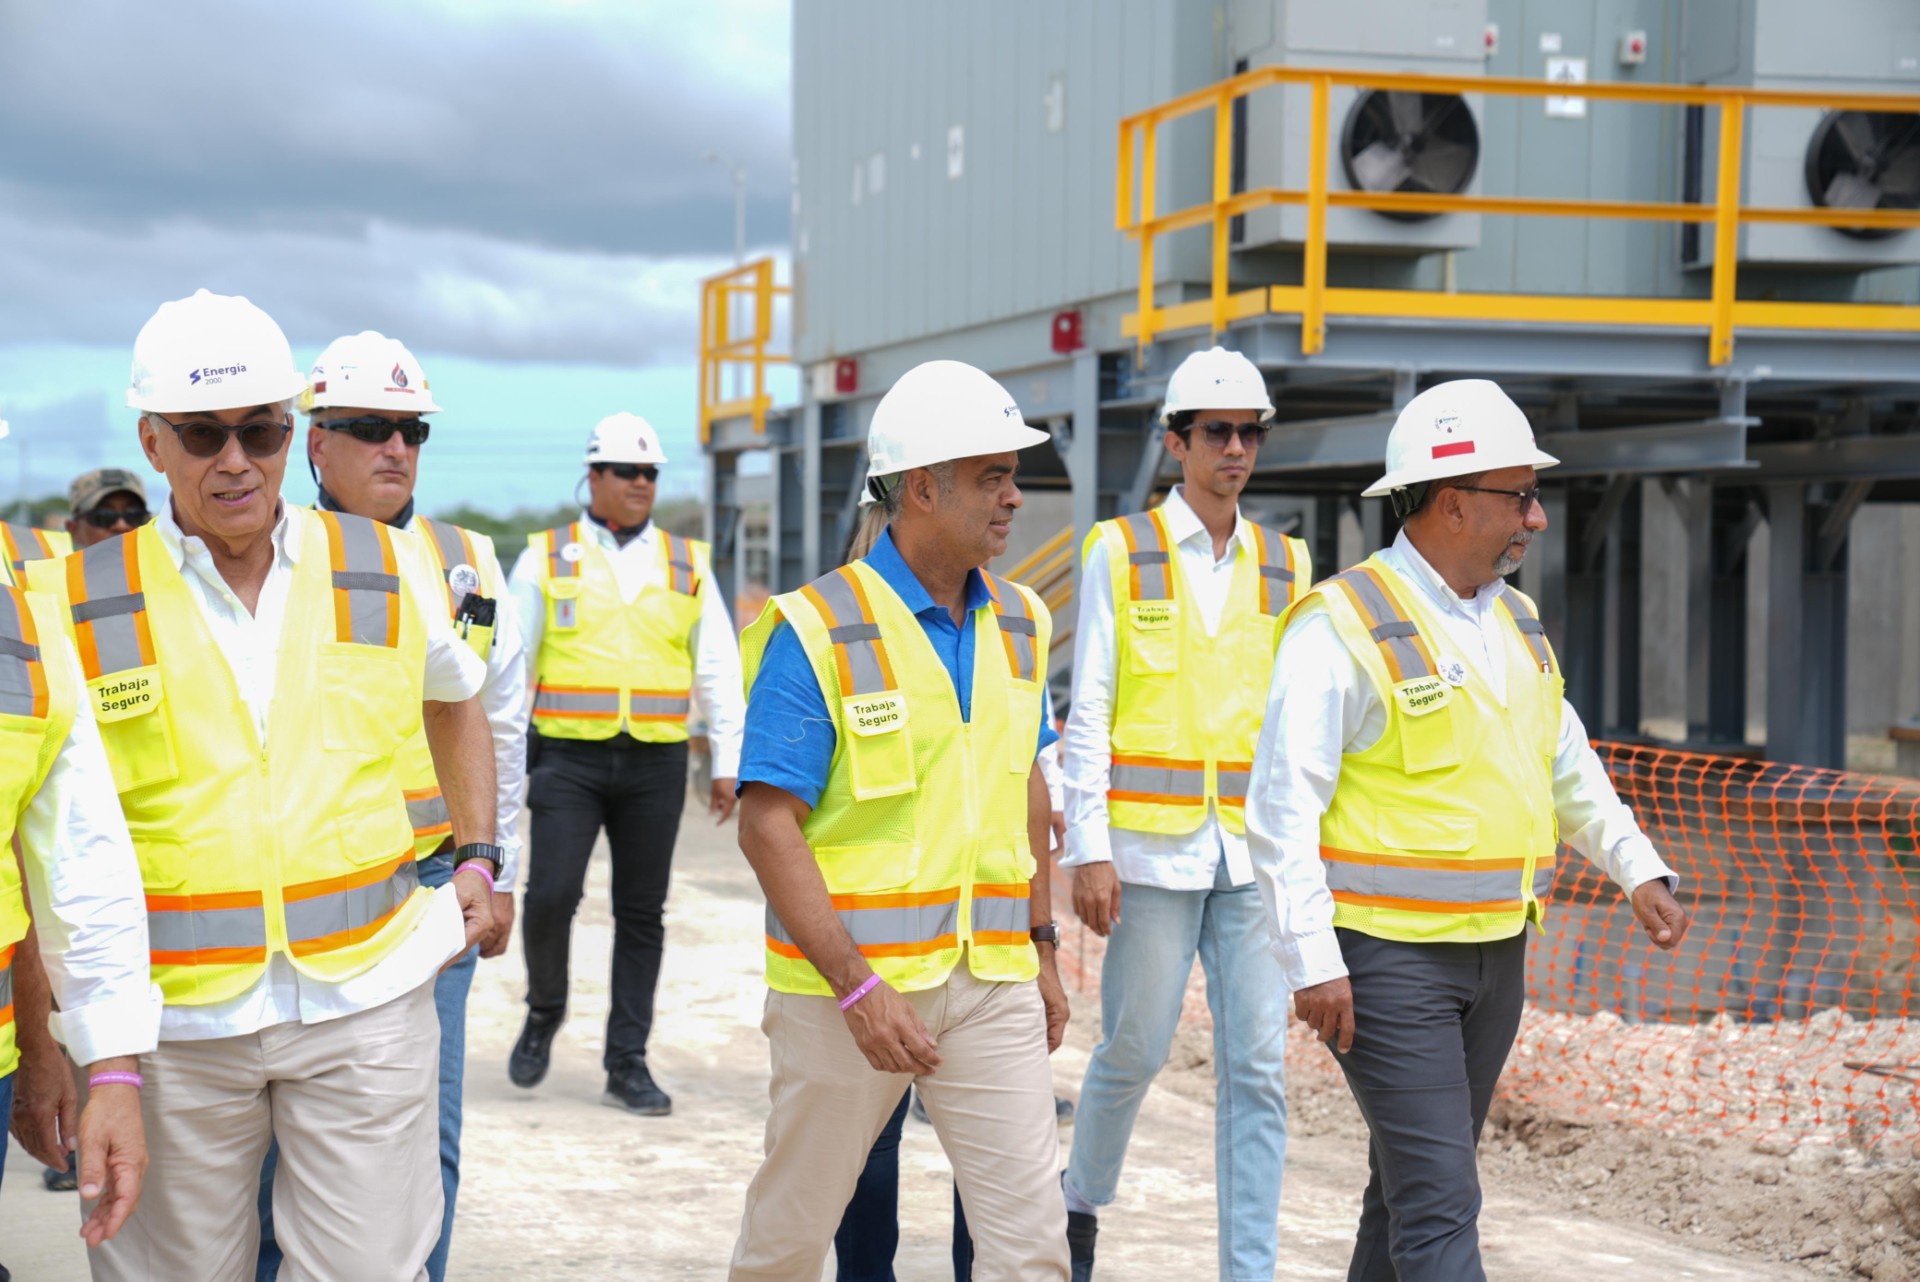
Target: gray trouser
column 1432, row 1027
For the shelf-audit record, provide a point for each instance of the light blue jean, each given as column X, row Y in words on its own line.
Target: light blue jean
column 1142, row 981
column 450, row 999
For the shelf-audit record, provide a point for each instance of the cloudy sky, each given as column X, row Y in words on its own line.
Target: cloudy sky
column 517, row 189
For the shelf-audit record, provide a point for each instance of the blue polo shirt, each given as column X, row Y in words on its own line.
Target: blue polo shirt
column 789, row 738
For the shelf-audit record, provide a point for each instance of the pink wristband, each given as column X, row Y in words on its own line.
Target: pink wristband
column 116, row 1079
column 478, row 867
column 873, row 982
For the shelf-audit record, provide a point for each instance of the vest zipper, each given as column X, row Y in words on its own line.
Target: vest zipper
column 968, row 871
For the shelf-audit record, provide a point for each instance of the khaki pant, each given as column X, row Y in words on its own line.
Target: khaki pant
column 991, row 1103
column 355, row 1105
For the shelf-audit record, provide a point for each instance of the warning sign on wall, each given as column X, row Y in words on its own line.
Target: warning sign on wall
column 1567, row 71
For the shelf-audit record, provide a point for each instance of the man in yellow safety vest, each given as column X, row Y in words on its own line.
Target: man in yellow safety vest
column 892, row 810
column 1179, row 613
column 257, row 669
column 627, row 630
column 1416, row 772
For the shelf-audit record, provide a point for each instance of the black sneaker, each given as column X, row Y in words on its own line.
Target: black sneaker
column 527, row 1066
column 630, row 1086
column 1063, row 1110
column 59, row 1181
column 1081, row 1230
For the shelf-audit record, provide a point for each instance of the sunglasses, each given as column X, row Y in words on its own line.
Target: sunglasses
column 1251, row 435
column 1527, row 497
column 378, row 431
column 629, row 471
column 206, row 440
column 105, row 518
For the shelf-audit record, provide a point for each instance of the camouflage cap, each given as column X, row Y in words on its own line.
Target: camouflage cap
column 90, row 487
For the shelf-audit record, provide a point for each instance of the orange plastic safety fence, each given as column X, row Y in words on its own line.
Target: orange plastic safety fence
column 1789, row 1012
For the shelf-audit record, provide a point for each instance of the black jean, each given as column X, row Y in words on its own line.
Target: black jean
column 1433, row 1024
column 869, row 1233
column 636, row 791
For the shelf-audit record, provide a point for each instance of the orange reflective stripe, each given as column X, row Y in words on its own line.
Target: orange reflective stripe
column 1391, row 627
column 1335, row 855
column 1426, row 906
column 109, row 607
column 366, row 580
column 896, row 899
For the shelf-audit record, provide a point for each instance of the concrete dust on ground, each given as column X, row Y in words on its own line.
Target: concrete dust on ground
column 558, row 1185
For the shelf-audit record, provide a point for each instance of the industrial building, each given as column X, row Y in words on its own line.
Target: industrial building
column 1681, row 233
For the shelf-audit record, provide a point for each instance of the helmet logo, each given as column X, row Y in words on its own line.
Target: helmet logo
column 1012, row 411
column 1446, row 423
column 399, row 376
column 194, row 377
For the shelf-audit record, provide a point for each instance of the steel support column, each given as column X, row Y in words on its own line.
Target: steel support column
column 1806, row 628
column 1716, row 612
column 810, row 550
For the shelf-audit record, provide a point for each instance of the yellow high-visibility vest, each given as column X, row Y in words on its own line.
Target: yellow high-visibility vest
column 607, row 665
column 1444, row 831
column 300, row 845
column 20, row 544
column 921, row 833
column 449, row 546
column 39, row 690
column 1187, row 706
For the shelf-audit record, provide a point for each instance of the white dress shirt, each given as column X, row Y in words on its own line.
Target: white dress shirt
column 504, row 696
column 1189, row 861
column 89, row 908
column 717, row 686
column 250, row 644
column 1322, row 705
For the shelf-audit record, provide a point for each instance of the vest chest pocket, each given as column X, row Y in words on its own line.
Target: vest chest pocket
column 131, row 708
column 1428, row 742
column 563, row 605
column 1152, row 637
column 367, row 704
column 879, row 744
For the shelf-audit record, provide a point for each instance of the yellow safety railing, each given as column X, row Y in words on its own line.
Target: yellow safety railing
column 1048, row 570
column 744, row 357
column 1720, row 315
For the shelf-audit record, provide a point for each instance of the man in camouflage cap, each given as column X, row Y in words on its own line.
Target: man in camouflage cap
column 105, row 502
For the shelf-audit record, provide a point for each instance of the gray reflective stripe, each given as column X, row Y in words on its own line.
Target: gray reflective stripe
column 6, row 985
column 429, row 812
column 849, row 629
column 558, row 566
column 1530, row 627
column 563, row 701
column 1017, row 625
column 330, row 914
column 1232, row 783
column 372, row 593
column 1000, row 913
column 17, row 659
column 1543, row 879
column 452, row 549
column 680, row 566
column 111, row 607
column 657, row 706
column 204, row 929
column 1439, row 884
column 878, row 927
column 1390, row 628
column 1163, row 781
column 27, row 540
column 1149, row 558
column 1279, row 593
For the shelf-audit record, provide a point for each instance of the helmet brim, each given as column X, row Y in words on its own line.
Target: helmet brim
column 1538, row 460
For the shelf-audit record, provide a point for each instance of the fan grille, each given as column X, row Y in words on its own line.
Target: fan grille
column 1865, row 160
column 1414, row 142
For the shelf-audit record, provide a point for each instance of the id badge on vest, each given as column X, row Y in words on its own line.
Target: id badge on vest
column 879, row 744
column 563, row 605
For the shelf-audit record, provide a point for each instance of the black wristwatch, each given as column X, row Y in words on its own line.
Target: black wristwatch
column 482, row 851
column 1047, row 934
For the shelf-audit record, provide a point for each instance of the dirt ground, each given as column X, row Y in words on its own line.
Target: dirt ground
column 557, row 1185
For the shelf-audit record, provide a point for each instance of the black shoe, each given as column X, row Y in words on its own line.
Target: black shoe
column 59, row 1181
column 527, row 1066
column 1081, row 1230
column 1063, row 1110
column 631, row 1087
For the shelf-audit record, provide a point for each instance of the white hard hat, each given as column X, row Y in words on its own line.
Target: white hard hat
column 1455, row 429
column 940, row 411
column 368, row 371
column 1217, row 379
column 211, row 352
column 624, row 438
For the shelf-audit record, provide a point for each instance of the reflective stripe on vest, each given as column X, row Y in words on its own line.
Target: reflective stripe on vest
column 1406, row 654
column 1277, row 573
column 24, row 543
column 885, row 925
column 659, row 705
column 427, row 812
column 558, row 566
column 680, row 575
column 1017, row 629
column 109, row 609
column 1231, row 780
column 598, row 702
column 23, row 678
column 1149, row 559
column 323, row 915
column 1158, row 781
column 857, row 647
column 366, row 582
column 1431, row 885
column 451, row 542
column 6, row 985
column 1531, row 630
column 1001, row 914
column 207, row 930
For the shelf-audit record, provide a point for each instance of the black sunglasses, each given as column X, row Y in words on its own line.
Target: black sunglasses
column 378, row 431
column 1251, row 435
column 1528, row 497
column 105, row 518
column 629, row 471
column 205, row 440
